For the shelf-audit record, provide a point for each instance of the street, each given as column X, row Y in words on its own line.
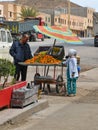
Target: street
column 87, row 51
column 68, row 113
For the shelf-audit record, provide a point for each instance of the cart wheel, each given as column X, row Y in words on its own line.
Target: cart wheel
column 59, row 78
column 60, row 88
column 36, row 76
column 48, row 87
column 35, row 82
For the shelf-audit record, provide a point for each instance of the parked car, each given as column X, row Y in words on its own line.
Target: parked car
column 5, row 38
column 6, row 41
column 96, row 40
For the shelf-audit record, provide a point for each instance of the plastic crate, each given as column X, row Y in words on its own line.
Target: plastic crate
column 50, row 50
column 59, row 54
column 39, row 35
column 78, row 59
column 24, row 96
column 42, row 48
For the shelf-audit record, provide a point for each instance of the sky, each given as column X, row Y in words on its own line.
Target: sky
column 84, row 3
column 6, row 0
column 87, row 3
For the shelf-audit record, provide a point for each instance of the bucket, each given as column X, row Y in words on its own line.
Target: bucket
column 78, row 59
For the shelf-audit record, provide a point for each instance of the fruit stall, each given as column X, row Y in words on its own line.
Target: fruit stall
column 47, row 57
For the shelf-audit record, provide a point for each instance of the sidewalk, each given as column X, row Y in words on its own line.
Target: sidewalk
column 17, row 114
column 88, row 80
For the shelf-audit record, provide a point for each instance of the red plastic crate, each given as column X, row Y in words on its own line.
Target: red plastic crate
column 39, row 35
column 5, row 94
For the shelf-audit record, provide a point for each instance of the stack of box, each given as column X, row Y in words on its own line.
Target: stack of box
column 24, row 96
column 56, row 51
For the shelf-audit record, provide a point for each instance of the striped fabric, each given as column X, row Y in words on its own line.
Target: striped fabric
column 60, row 33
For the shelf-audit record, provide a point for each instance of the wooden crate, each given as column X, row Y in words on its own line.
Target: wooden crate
column 24, row 96
column 24, row 102
column 24, row 92
column 50, row 51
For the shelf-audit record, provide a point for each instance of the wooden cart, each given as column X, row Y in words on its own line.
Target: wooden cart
column 58, row 52
column 46, row 78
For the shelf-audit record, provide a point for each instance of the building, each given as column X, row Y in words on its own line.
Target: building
column 50, row 12
column 1, row 10
column 2, row 18
column 45, row 17
column 81, row 19
column 87, row 13
column 12, row 12
column 76, row 23
column 95, row 20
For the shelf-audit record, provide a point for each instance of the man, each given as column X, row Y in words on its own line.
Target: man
column 20, row 51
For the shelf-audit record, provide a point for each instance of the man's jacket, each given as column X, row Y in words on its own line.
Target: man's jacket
column 20, row 52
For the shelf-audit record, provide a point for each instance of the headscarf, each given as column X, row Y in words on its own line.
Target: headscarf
column 72, row 52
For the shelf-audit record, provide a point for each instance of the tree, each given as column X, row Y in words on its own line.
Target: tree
column 7, row 69
column 28, row 12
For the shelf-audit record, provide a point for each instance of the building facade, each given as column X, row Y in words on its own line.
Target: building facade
column 76, row 23
column 1, row 10
column 45, row 17
column 12, row 12
column 95, row 20
column 90, row 22
column 88, row 14
column 81, row 18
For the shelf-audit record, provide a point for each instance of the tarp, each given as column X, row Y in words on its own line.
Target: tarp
column 60, row 33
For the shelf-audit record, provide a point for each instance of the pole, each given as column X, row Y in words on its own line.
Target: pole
column 68, row 14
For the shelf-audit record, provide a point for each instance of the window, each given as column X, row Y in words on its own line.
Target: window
column 65, row 21
column 10, row 14
column 3, row 36
column 0, row 12
column 9, row 39
column 55, row 19
column 59, row 20
column 48, row 19
column 73, row 23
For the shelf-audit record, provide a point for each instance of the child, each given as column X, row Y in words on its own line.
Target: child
column 72, row 72
column 78, row 64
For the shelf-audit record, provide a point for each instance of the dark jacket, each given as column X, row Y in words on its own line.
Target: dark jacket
column 20, row 52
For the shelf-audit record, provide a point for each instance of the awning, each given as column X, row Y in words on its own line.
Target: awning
column 60, row 33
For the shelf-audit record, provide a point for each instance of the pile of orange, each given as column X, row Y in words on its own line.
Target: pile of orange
column 44, row 59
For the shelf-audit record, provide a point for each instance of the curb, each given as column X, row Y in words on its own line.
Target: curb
column 12, row 116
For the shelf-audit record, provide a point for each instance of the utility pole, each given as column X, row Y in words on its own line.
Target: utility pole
column 68, row 14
